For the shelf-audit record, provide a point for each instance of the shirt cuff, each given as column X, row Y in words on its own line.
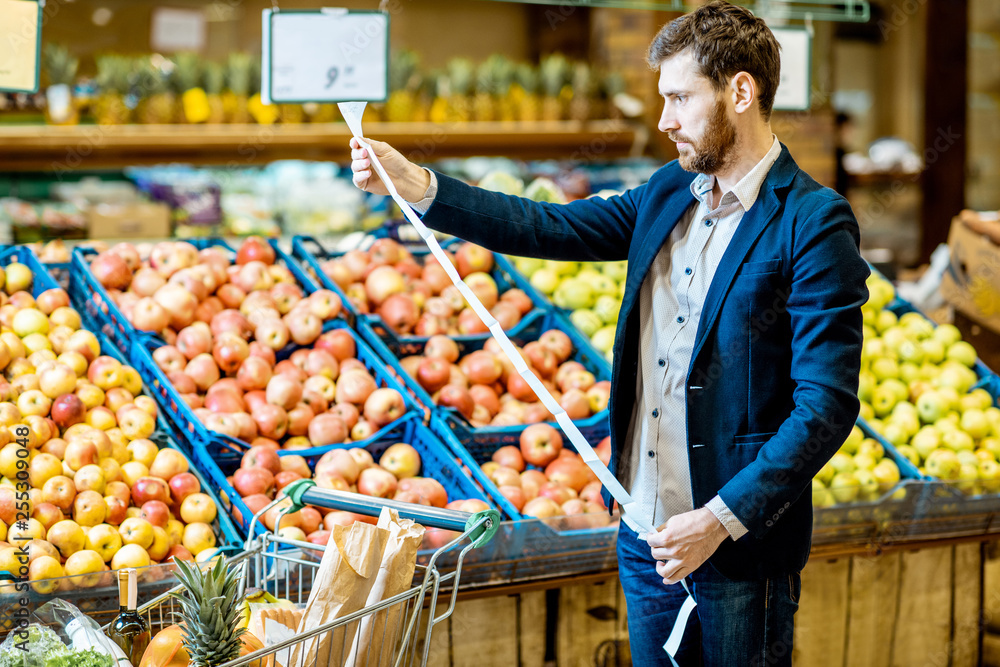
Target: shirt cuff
column 429, row 195
column 733, row 526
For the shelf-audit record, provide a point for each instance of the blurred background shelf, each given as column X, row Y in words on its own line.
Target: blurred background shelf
column 36, row 147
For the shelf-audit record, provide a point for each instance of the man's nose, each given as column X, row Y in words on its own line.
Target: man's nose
column 668, row 121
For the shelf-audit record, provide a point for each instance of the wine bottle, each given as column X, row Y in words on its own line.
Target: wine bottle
column 129, row 630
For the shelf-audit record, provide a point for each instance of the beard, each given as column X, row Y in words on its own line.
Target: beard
column 716, row 148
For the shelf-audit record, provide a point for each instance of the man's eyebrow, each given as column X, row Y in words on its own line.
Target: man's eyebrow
column 673, row 93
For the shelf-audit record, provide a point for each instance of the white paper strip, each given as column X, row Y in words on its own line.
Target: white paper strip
column 353, row 112
column 677, row 632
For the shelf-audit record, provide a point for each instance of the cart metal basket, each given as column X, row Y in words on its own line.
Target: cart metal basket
column 286, row 568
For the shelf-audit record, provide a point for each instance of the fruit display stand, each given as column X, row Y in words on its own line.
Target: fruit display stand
column 95, row 304
column 312, row 254
column 188, row 424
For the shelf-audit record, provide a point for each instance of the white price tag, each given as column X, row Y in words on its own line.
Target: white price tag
column 326, row 55
column 796, row 69
column 20, row 45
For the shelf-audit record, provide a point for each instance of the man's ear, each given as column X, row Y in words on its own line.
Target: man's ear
column 744, row 92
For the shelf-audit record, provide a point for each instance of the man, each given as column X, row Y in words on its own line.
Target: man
column 738, row 347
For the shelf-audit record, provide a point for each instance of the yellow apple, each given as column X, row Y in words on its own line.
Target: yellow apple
column 198, row 537
column 132, row 471
column 175, row 530
column 86, row 567
column 32, row 530
column 104, row 540
column 44, row 574
column 111, row 469
column 89, row 508
column 136, row 531
column 90, row 478
column 130, row 555
column 131, row 380
column 76, row 361
column 102, row 418
column 143, row 451
column 67, row 537
column 138, row 424
column 147, row 404
column 161, row 544
column 43, row 468
column 168, row 462
column 198, row 508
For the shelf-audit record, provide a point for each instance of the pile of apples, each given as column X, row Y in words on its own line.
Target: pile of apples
column 557, row 483
column 420, row 299
column 859, row 471
column 167, row 287
column 592, row 290
column 916, row 392
column 318, row 396
column 485, row 389
column 52, row 252
column 263, row 474
column 83, row 486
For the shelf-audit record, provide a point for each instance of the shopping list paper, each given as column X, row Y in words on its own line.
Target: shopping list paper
column 353, row 112
column 20, row 40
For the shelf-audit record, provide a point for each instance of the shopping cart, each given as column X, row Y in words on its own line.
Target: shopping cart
column 286, row 569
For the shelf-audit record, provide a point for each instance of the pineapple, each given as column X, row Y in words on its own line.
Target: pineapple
column 211, row 612
column 460, row 79
column 439, row 83
column 236, row 98
column 404, row 82
column 483, row 104
column 157, row 103
column 215, row 81
column 322, row 113
column 193, row 104
column 60, row 67
column 524, row 93
column 503, row 77
column 612, row 86
column 113, row 81
column 292, row 113
column 554, row 77
column 583, row 91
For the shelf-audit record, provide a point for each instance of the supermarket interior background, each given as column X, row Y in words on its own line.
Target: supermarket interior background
column 153, row 205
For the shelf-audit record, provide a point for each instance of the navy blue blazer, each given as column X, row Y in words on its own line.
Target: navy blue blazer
column 772, row 386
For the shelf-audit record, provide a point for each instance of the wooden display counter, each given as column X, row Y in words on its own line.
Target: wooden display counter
column 46, row 147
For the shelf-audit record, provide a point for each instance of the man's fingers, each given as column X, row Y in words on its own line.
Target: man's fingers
column 361, row 178
column 664, row 553
column 358, row 153
column 672, row 571
column 659, row 539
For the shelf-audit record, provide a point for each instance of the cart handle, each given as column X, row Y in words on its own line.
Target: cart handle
column 304, row 492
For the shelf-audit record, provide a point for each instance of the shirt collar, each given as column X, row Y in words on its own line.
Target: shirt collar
column 747, row 190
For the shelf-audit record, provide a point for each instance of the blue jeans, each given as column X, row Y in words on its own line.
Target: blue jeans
column 736, row 623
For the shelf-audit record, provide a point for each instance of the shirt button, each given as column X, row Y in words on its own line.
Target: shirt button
column 687, row 271
column 662, row 363
column 656, row 413
column 651, row 454
column 680, row 319
column 708, row 223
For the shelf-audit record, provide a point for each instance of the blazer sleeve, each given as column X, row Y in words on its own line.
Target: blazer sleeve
column 824, row 307
column 593, row 229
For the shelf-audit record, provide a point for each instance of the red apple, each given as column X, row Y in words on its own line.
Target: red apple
column 262, row 457
column 377, row 482
column 509, row 457
column 457, row 397
column 183, row 485
column 251, row 481
column 540, row 444
column 384, row 406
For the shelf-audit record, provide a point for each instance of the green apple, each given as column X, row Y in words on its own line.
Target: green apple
column 908, row 421
column 946, row 424
column 931, row 406
column 926, row 441
column 19, row 278
column 992, row 445
column 872, row 447
column 864, row 462
column 951, row 397
column 876, row 425
column 589, row 274
column 604, row 338
column 962, row 352
column 866, row 385
column 948, row 334
column 885, row 320
column 971, row 402
column 825, row 473
column 604, row 286
column 908, row 372
column 880, row 292
column 607, row 308
column 943, row 464
column 985, row 454
column 917, row 325
column 967, row 457
column 573, row 293
column 867, row 332
column 981, row 398
column 958, row 440
column 563, row 268
column 866, row 412
column 528, row 265
column 894, row 337
column 867, row 484
column 885, row 368
column 957, row 377
column 933, row 350
column 868, row 316
column 895, row 433
column 968, row 478
column 544, row 280
column 929, row 371
column 873, row 349
column 887, row 474
column 884, row 400
column 904, row 407
column 842, row 462
column 993, row 414
column 617, row 271
column 845, row 487
column 854, row 439
column 586, row 321
column 989, row 474
column 899, row 388
column 823, row 498
column 974, row 423
column 908, row 453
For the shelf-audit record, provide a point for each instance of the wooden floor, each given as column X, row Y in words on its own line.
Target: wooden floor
column 922, row 608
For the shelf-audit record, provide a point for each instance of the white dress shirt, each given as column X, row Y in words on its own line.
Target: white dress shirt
column 670, row 302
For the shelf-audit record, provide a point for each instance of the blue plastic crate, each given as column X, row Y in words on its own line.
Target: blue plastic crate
column 43, row 280
column 534, row 326
column 437, row 462
column 101, row 313
column 311, row 252
column 60, row 271
column 189, row 427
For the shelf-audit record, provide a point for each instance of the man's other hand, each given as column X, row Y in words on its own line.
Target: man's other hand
column 685, row 542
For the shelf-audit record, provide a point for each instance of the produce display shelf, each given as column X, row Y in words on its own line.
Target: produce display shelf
column 538, row 323
column 101, row 313
column 190, row 427
column 311, row 253
column 39, row 147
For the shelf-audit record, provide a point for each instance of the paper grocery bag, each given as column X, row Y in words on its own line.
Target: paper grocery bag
column 346, row 574
column 378, row 633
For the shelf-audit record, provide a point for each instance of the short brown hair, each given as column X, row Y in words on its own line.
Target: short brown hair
column 725, row 39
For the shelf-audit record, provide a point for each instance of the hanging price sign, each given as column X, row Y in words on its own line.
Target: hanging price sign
column 326, row 55
column 20, row 45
